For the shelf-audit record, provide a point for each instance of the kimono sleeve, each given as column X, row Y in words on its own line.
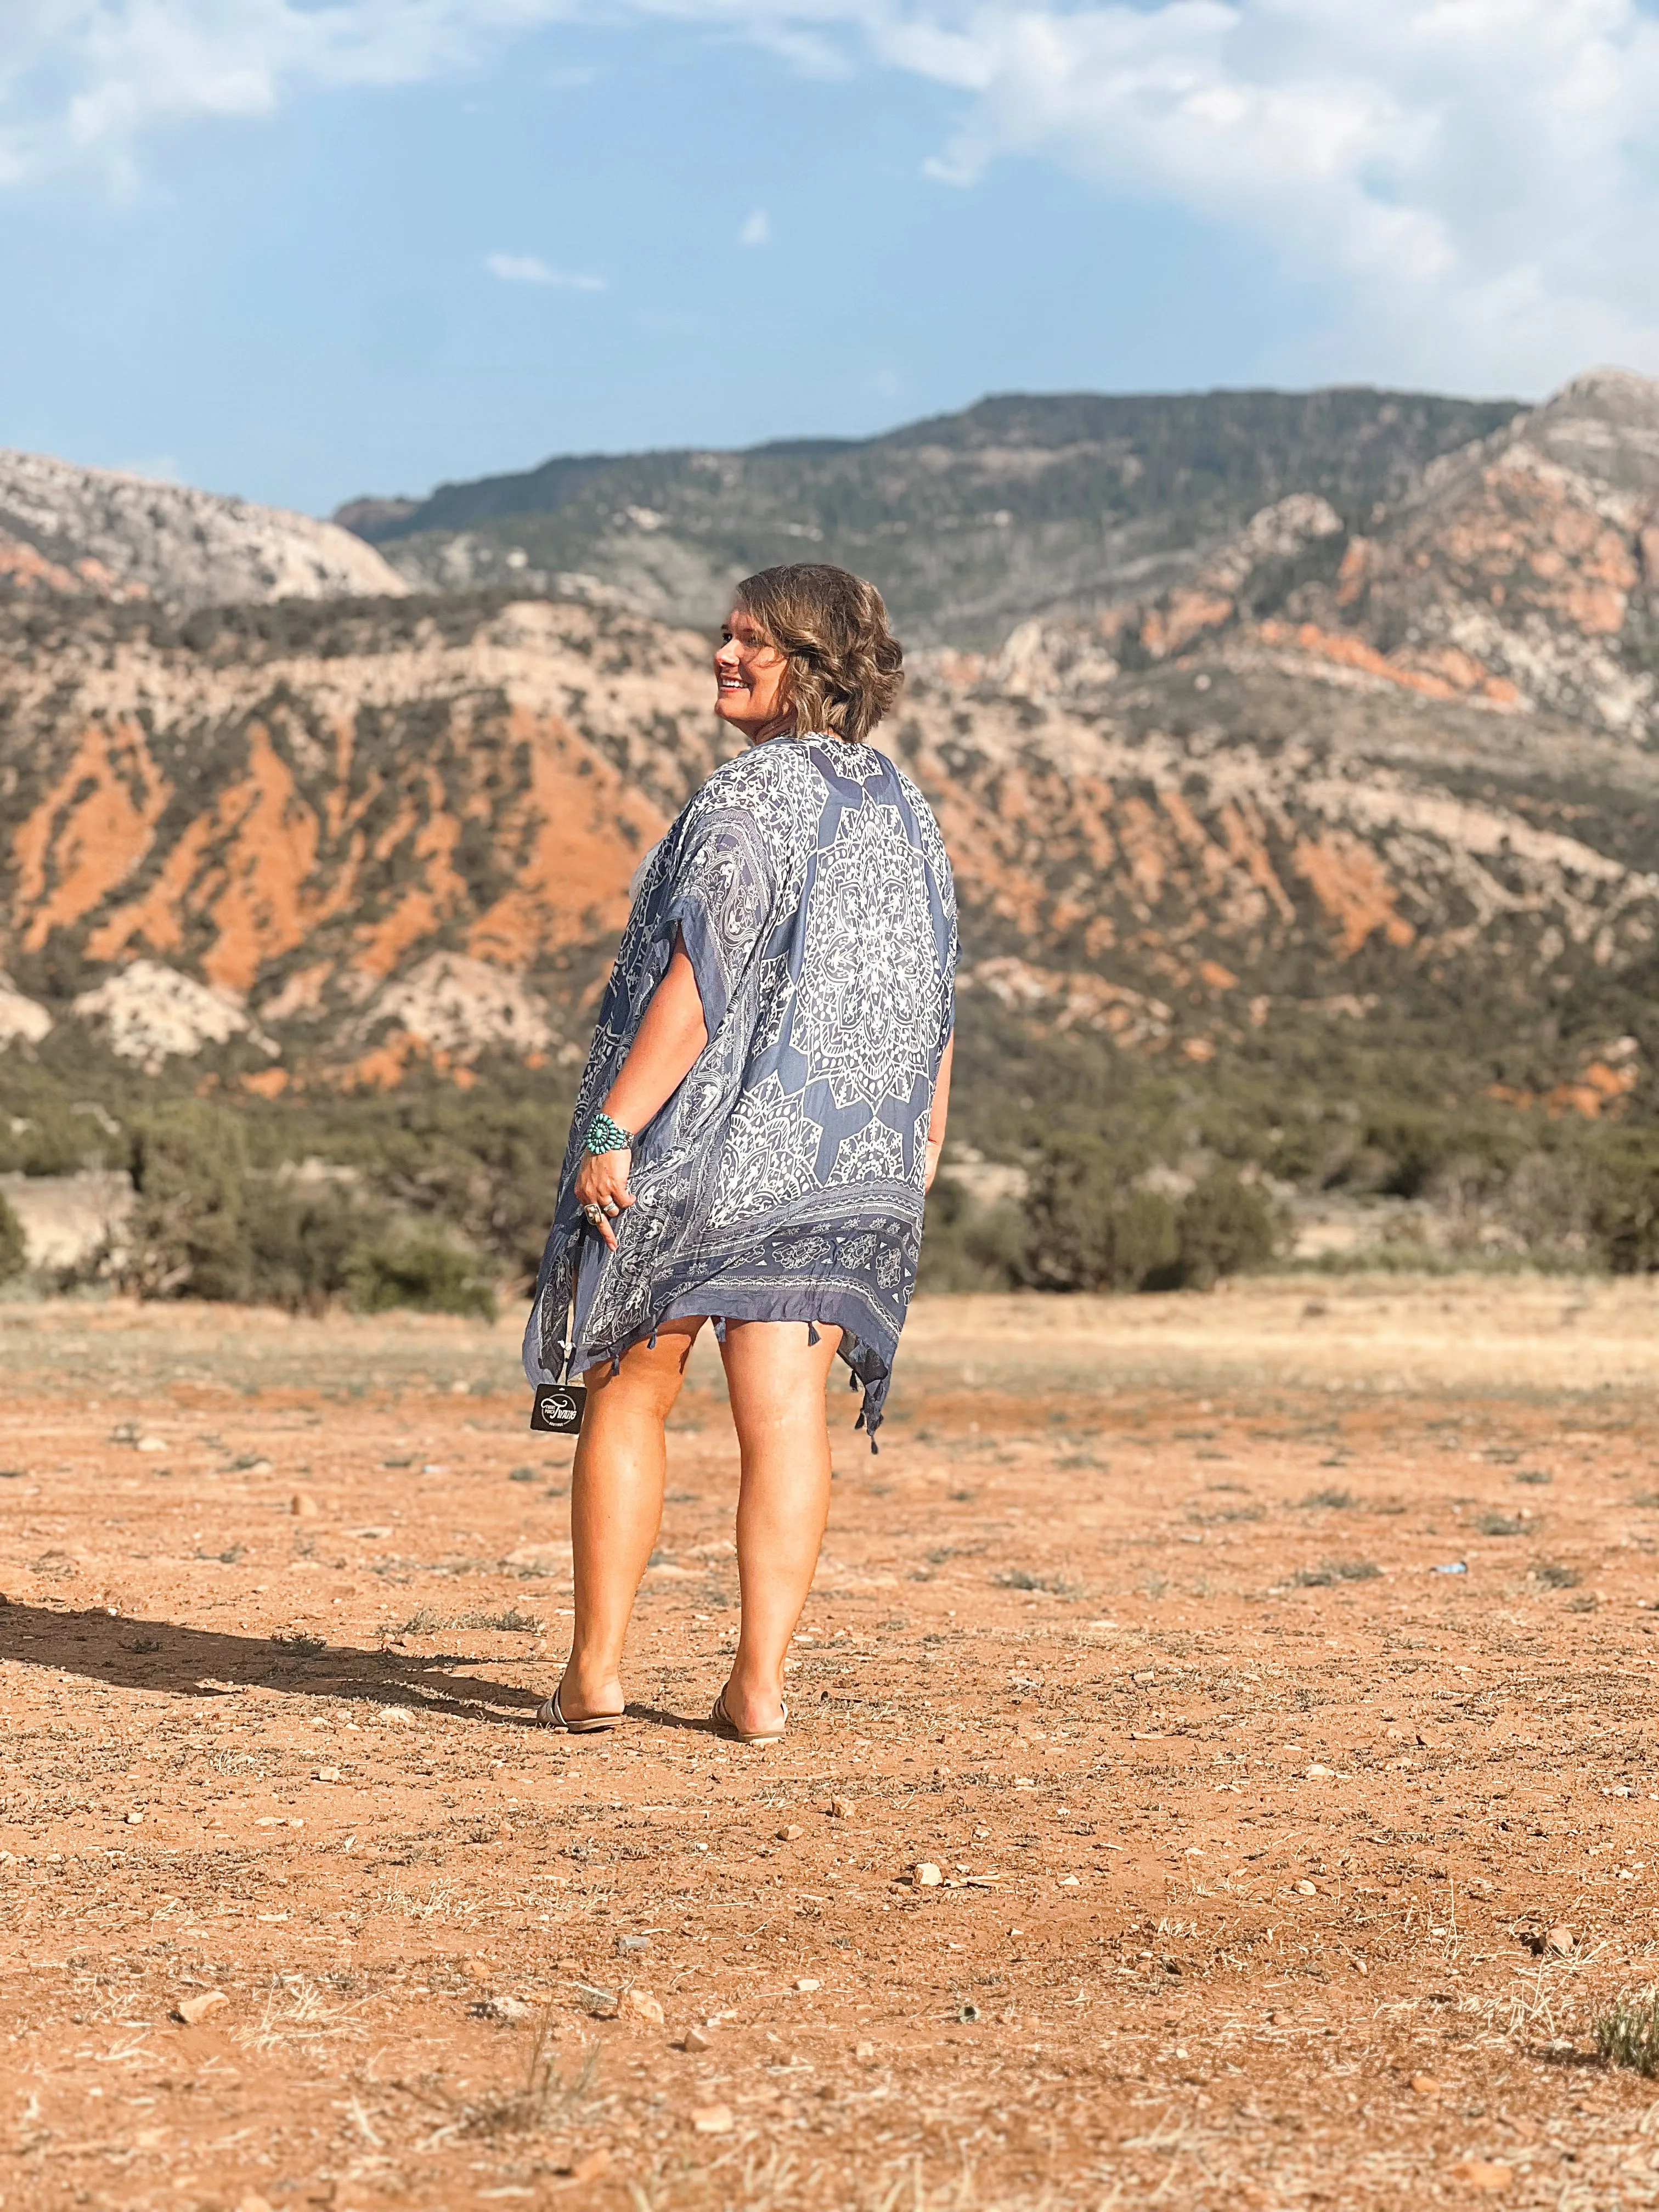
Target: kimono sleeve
column 721, row 898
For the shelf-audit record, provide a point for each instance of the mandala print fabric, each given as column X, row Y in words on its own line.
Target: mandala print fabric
column 783, row 1181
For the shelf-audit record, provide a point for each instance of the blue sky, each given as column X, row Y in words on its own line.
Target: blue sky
column 301, row 249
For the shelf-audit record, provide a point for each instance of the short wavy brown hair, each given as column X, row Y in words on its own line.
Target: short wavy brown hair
column 845, row 664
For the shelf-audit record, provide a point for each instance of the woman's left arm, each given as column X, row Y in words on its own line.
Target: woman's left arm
column 665, row 1047
column 941, row 1113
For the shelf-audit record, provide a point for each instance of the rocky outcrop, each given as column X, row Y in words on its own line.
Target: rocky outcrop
column 1519, row 576
column 336, row 851
column 96, row 533
column 1394, row 785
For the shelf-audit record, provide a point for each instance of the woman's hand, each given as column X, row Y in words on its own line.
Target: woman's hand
column 602, row 1181
column 935, row 1146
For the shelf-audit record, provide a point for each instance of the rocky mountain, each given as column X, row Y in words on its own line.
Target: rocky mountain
column 1520, row 574
column 95, row 533
column 1350, row 828
column 970, row 523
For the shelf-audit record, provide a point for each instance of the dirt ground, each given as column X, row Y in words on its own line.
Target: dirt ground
column 1265, row 1675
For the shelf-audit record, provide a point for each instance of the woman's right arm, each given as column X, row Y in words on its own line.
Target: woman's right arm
column 670, row 1036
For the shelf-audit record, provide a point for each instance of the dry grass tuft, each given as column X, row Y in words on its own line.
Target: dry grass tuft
column 1627, row 2033
column 544, row 2099
column 1022, row 1578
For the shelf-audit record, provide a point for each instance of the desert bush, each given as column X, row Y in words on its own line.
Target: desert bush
column 190, row 1173
column 206, row 1226
column 1223, row 1225
column 14, row 1251
column 1625, row 1209
column 304, row 1241
column 52, row 1138
column 419, row 1268
column 1090, row 1226
column 966, row 1246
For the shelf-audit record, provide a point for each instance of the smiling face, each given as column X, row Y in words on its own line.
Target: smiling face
column 752, row 678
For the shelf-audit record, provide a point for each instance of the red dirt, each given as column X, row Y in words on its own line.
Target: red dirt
column 1245, row 1850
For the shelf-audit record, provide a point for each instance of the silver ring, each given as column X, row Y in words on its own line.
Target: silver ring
column 609, row 1209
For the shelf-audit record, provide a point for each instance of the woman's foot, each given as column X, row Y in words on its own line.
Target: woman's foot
column 582, row 1708
column 752, row 1716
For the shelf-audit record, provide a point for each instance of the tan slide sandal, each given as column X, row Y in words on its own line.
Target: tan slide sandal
column 552, row 1715
column 724, row 1721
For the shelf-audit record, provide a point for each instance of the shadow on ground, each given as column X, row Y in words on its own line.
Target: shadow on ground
column 206, row 1663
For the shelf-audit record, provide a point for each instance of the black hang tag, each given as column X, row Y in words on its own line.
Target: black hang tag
column 556, row 1409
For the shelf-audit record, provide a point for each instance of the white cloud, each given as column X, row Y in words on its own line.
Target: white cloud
column 531, row 269
column 1474, row 181
column 756, row 230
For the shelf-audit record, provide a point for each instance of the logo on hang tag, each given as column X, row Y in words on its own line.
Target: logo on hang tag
column 556, row 1409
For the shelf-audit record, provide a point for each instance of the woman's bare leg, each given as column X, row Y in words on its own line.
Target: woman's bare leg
column 616, row 1509
column 775, row 1379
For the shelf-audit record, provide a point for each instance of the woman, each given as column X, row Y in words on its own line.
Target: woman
column 761, row 1115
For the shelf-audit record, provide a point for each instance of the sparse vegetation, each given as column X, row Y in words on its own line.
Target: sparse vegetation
column 1491, row 1524
column 544, row 2098
column 14, row 1251
column 1627, row 2032
column 1022, row 1578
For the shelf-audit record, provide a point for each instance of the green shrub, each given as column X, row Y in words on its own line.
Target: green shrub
column 422, row 1269
column 187, row 1234
column 1090, row 1226
column 14, row 1250
column 1223, row 1225
column 1624, row 1210
column 304, row 1239
column 967, row 1247
column 52, row 1138
column 205, row 1226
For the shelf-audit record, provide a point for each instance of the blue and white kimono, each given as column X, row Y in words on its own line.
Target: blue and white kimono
column 783, row 1179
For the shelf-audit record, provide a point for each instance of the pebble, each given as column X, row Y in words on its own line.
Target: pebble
column 152, row 1443
column 1483, row 2173
column 1306, row 1889
column 626, row 1943
column 806, row 1984
column 591, row 2168
column 135, row 1819
column 194, row 2009
column 328, row 1774
column 643, row 2006
column 1068, row 1881
column 697, row 2040
column 841, row 1808
column 1561, row 1940
column 713, row 2119
column 788, row 1835
column 1425, row 2085
column 928, row 1876
column 302, row 1507
column 251, row 2201
column 511, row 2010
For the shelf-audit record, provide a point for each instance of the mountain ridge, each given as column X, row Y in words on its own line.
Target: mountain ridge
column 70, row 530
column 969, row 522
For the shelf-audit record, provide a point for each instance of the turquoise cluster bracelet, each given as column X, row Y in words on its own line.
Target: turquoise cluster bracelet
column 604, row 1135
